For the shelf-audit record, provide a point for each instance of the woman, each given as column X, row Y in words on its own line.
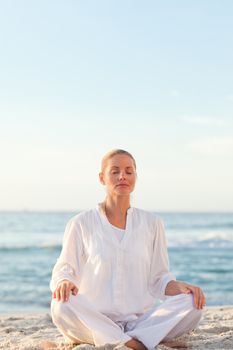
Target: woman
column 113, row 266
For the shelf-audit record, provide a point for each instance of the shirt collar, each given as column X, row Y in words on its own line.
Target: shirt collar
column 99, row 207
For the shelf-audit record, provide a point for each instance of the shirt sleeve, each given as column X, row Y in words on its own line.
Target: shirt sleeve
column 159, row 273
column 70, row 263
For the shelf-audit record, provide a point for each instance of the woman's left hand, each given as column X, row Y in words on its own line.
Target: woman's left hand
column 177, row 287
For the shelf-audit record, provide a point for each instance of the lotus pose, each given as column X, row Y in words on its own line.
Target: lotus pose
column 114, row 266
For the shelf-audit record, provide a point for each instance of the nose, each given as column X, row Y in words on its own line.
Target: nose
column 122, row 175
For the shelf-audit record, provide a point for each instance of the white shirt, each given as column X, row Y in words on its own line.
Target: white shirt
column 123, row 277
column 118, row 232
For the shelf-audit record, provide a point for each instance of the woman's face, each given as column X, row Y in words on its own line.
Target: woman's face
column 119, row 175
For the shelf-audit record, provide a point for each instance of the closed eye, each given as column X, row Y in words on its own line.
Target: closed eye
column 117, row 172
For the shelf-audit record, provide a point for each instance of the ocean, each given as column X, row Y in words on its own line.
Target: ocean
column 200, row 247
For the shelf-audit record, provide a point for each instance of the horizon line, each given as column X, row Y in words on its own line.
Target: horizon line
column 79, row 210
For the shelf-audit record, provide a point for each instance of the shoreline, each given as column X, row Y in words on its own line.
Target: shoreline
column 35, row 331
column 28, row 313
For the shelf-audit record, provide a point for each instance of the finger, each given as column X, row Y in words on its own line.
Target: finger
column 195, row 295
column 63, row 292
column 67, row 293
column 75, row 291
column 203, row 300
column 199, row 296
column 58, row 295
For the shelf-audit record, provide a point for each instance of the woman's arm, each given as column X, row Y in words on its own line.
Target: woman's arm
column 159, row 274
column 70, row 263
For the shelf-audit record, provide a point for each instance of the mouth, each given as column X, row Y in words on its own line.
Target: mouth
column 122, row 185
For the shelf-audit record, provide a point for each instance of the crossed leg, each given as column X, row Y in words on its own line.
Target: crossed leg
column 175, row 316
column 80, row 322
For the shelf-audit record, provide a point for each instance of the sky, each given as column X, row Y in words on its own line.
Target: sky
column 79, row 78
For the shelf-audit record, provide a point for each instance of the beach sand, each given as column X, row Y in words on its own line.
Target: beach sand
column 37, row 332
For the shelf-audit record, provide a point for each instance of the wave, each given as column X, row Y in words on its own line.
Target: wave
column 204, row 225
column 220, row 240
column 215, row 243
column 21, row 248
column 176, row 239
column 209, row 240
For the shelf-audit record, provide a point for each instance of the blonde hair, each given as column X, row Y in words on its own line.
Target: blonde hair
column 111, row 154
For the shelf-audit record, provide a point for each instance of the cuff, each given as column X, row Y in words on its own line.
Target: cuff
column 167, row 278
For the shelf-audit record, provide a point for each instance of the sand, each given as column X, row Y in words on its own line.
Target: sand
column 37, row 332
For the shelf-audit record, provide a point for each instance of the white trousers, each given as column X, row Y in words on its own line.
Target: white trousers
column 80, row 322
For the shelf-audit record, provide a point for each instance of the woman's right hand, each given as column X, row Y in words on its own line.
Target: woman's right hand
column 62, row 292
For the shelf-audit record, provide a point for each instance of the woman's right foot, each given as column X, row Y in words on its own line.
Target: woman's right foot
column 135, row 344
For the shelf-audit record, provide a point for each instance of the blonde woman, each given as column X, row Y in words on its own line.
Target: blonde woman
column 112, row 268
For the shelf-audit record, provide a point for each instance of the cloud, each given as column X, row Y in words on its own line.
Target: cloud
column 216, row 146
column 202, row 120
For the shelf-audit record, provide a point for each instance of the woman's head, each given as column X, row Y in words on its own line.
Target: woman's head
column 113, row 153
column 118, row 172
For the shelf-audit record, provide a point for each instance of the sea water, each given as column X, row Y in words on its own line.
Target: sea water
column 200, row 247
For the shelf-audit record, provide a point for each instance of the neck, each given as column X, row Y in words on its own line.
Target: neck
column 116, row 207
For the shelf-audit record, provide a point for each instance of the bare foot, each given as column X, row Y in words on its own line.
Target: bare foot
column 135, row 344
column 47, row 345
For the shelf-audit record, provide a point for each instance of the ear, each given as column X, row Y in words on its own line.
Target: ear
column 101, row 178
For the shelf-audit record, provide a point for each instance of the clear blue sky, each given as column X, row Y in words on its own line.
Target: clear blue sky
column 79, row 78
